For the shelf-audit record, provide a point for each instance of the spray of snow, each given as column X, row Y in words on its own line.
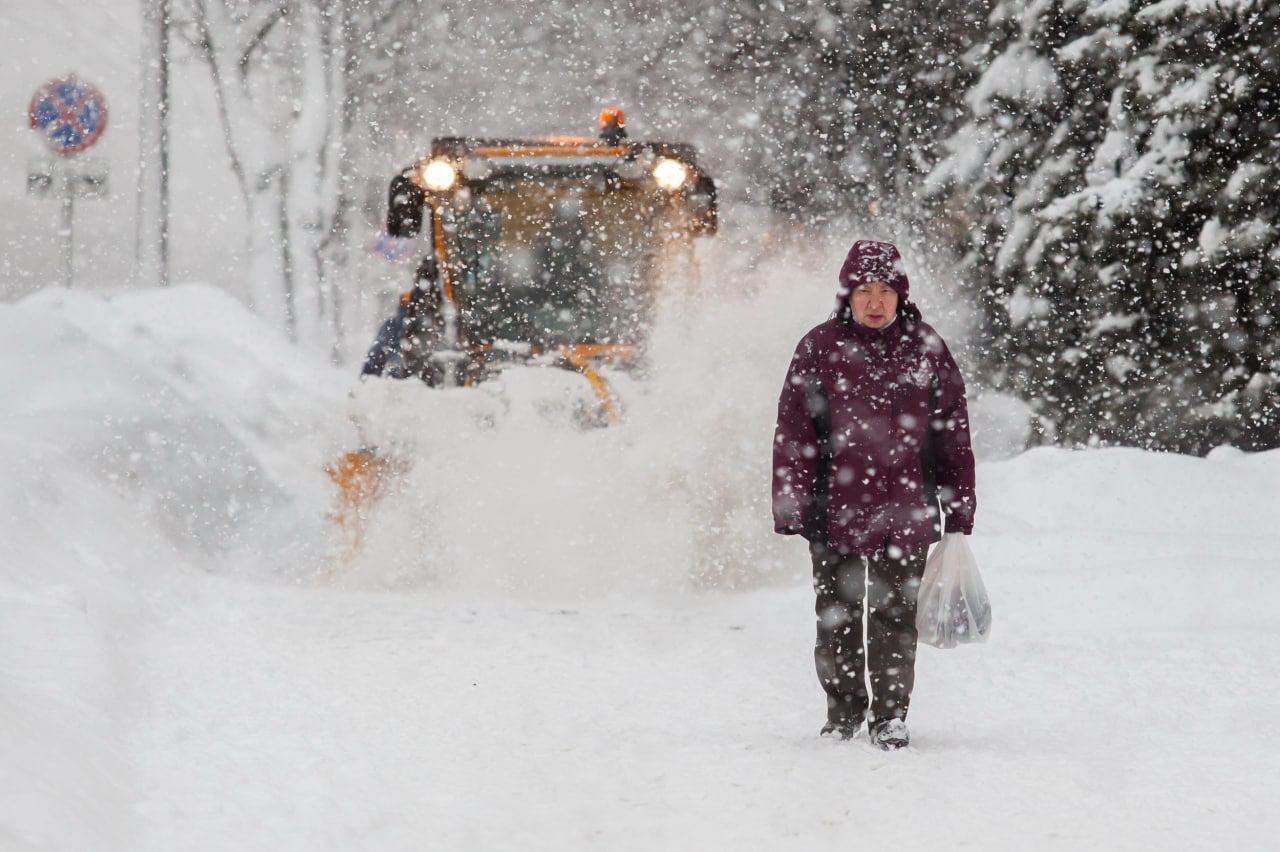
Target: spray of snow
column 505, row 495
column 507, row 492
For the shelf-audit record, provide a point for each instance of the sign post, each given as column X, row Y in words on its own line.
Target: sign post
column 71, row 115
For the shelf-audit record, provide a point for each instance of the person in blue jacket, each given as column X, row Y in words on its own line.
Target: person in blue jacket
column 406, row 340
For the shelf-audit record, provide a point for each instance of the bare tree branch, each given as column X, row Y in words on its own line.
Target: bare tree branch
column 259, row 38
column 220, row 95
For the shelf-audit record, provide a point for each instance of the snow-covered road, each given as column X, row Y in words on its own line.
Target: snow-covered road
column 1125, row 702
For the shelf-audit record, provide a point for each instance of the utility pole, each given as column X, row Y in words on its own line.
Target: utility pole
column 163, row 106
column 151, row 248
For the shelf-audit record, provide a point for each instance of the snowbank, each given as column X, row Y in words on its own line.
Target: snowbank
column 143, row 435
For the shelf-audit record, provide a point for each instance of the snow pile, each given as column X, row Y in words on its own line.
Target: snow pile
column 143, row 435
column 182, row 400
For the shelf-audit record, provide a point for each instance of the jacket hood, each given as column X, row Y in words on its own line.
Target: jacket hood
column 872, row 260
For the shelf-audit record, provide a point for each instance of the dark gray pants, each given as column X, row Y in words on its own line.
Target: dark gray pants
column 889, row 588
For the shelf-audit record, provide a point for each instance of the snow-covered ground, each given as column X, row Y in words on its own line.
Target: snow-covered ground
column 558, row 638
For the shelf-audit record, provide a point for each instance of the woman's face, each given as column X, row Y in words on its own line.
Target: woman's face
column 874, row 304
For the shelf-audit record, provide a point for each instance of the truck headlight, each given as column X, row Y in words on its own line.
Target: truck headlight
column 670, row 174
column 438, row 175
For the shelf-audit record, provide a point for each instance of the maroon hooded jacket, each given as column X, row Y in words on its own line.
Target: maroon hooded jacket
column 872, row 426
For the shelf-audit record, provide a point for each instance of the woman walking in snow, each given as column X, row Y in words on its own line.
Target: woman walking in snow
column 872, row 431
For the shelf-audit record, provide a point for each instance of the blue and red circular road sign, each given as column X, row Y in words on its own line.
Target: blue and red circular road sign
column 70, row 113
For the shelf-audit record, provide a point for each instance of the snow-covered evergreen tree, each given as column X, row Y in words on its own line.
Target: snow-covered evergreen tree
column 1122, row 234
column 1190, row 226
column 1036, row 111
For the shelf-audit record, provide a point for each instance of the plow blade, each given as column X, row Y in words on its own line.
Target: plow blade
column 361, row 476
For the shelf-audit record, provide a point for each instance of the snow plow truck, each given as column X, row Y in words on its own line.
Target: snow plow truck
column 539, row 251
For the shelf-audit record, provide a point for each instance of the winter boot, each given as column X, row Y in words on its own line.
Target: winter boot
column 845, row 729
column 842, row 720
column 890, row 734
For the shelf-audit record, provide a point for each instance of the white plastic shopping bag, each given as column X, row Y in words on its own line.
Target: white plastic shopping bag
column 953, row 607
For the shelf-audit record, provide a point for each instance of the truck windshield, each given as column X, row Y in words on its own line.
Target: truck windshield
column 553, row 263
